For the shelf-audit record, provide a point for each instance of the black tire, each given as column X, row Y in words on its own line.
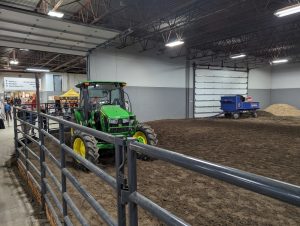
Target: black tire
column 91, row 149
column 150, row 136
column 236, row 115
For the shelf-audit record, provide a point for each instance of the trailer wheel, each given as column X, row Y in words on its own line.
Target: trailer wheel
column 236, row 115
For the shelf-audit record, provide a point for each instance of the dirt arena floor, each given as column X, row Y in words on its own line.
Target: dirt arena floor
column 269, row 146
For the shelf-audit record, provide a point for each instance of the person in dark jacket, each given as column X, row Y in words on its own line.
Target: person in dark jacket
column 7, row 109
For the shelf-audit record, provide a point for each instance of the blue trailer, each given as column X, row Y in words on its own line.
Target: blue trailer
column 234, row 106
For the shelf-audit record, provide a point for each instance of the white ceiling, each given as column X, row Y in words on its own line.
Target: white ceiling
column 38, row 32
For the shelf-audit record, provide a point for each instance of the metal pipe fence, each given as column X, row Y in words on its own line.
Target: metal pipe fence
column 124, row 183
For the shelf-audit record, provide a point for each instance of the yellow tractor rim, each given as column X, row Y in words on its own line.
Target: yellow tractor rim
column 141, row 137
column 79, row 147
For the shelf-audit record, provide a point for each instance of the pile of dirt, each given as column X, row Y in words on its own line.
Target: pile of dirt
column 283, row 110
column 262, row 113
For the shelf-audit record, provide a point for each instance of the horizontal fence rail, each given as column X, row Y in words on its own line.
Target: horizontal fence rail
column 124, row 183
column 276, row 189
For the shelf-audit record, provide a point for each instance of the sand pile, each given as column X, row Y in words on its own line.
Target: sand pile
column 283, row 110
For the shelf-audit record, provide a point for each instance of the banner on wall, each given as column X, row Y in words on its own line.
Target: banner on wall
column 20, row 84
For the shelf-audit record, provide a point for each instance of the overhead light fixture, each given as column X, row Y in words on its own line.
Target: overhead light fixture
column 175, row 43
column 55, row 14
column 14, row 62
column 288, row 10
column 280, row 61
column 24, row 50
column 236, row 56
column 37, row 70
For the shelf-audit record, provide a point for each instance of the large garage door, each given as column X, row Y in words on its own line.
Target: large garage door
column 210, row 85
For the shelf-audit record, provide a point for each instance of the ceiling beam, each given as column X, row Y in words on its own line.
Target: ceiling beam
column 81, row 61
column 57, row 5
column 39, row 47
column 66, row 63
column 49, row 61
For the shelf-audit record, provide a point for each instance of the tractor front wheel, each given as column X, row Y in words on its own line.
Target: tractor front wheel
column 146, row 135
column 85, row 146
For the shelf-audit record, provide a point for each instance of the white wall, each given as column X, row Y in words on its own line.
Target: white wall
column 137, row 69
column 47, row 82
column 283, row 76
column 155, row 83
column 286, row 84
column 276, row 84
column 68, row 80
column 286, row 76
column 260, row 78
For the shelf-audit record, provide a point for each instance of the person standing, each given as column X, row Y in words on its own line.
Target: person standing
column 7, row 109
column 2, row 126
column 2, row 109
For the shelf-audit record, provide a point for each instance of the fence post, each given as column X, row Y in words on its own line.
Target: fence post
column 16, row 132
column 42, row 160
column 63, row 165
column 25, row 141
column 132, row 183
column 47, row 120
column 121, row 184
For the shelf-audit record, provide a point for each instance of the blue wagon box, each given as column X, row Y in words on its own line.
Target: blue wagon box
column 237, row 105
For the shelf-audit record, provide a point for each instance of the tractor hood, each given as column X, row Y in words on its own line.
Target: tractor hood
column 114, row 112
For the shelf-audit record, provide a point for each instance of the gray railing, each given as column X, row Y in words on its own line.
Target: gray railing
column 124, row 183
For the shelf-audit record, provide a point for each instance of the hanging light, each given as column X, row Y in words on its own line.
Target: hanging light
column 288, row 10
column 55, row 14
column 280, row 61
column 37, row 70
column 236, row 56
column 175, row 43
column 14, row 61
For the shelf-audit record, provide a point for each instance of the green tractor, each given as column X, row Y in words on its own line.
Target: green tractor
column 106, row 107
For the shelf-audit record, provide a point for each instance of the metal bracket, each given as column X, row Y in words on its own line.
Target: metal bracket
column 120, row 140
column 125, row 196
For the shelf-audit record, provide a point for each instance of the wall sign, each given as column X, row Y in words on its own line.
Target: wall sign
column 20, row 84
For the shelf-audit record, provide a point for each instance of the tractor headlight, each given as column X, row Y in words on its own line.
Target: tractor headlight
column 125, row 120
column 113, row 121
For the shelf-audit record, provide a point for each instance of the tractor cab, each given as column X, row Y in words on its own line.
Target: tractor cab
column 94, row 94
column 106, row 99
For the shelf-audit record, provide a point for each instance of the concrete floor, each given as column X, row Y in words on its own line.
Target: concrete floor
column 15, row 206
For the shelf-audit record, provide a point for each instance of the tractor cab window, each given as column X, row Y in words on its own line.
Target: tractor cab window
column 104, row 94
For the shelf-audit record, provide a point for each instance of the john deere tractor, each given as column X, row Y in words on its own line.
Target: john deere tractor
column 106, row 107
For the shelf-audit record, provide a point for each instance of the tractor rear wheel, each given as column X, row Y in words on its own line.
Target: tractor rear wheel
column 86, row 146
column 146, row 135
